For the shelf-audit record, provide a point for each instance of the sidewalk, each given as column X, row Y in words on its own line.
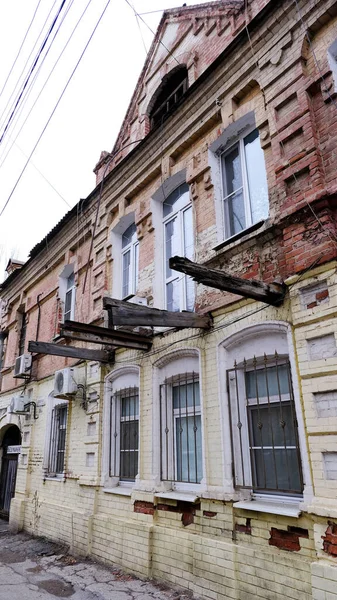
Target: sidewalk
column 36, row 569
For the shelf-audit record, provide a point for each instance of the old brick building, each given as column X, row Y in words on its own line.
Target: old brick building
column 196, row 447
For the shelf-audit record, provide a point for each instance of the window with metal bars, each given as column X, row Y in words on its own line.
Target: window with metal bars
column 265, row 444
column 124, row 434
column 168, row 96
column 57, row 443
column 180, row 429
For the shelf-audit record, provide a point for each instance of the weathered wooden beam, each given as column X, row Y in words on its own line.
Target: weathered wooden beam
column 271, row 293
column 71, row 352
column 105, row 339
column 116, row 334
column 127, row 313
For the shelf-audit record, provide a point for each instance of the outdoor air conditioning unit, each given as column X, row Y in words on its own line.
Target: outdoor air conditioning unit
column 17, row 405
column 64, row 383
column 22, row 366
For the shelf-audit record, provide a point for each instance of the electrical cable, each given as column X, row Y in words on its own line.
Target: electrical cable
column 44, row 177
column 55, row 107
column 23, row 69
column 46, row 81
column 5, row 150
column 21, row 46
column 153, row 33
column 32, row 70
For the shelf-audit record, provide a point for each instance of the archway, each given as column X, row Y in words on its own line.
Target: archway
column 11, row 446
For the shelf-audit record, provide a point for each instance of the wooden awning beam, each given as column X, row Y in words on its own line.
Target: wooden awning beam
column 102, row 335
column 71, row 352
column 127, row 313
column 271, row 293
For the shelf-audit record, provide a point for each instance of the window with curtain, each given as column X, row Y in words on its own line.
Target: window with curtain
column 180, row 429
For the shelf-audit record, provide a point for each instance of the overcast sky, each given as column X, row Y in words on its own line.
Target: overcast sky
column 88, row 117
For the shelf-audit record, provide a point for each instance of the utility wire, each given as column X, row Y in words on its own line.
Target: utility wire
column 12, row 96
column 153, row 33
column 21, row 46
column 45, row 83
column 44, row 177
column 54, row 109
column 32, row 70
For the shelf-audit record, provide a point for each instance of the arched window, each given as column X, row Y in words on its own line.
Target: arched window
column 178, row 241
column 168, row 95
column 180, row 418
column 121, row 435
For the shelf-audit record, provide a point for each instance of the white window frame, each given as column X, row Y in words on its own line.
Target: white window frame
column 115, row 383
column 180, row 209
column 240, row 144
column 247, row 343
column 117, row 253
column 67, row 272
column 231, row 136
column 181, row 361
column 54, row 403
column 133, row 250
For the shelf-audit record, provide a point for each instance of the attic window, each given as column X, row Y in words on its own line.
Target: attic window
column 168, row 95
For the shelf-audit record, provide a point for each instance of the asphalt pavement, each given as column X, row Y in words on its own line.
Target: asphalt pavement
column 37, row 569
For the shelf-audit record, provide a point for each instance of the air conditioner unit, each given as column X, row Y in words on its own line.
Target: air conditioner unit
column 64, row 383
column 22, row 366
column 17, row 405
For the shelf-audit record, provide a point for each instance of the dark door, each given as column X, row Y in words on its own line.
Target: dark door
column 7, row 486
column 11, row 441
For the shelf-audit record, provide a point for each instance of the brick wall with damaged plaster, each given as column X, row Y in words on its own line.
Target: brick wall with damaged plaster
column 212, row 548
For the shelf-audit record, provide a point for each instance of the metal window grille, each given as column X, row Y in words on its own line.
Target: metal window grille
column 57, row 440
column 160, row 113
column 180, row 429
column 265, row 445
column 124, row 434
column 23, row 330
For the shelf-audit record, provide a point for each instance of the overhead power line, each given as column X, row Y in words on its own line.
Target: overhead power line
column 32, row 70
column 4, row 155
column 55, row 107
column 21, row 46
column 153, row 33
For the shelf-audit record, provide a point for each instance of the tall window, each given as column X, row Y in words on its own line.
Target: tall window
column 57, row 441
column 244, row 184
column 264, row 426
column 180, row 429
column 69, row 301
column 23, row 331
column 124, row 434
column 179, row 240
column 130, row 254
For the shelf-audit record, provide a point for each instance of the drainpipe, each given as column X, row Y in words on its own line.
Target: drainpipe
column 38, row 317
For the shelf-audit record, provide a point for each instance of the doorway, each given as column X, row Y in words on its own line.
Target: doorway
column 11, row 447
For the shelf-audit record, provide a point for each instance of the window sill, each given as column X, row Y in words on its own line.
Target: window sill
column 62, row 479
column 175, row 495
column 118, row 491
column 288, row 509
column 240, row 235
